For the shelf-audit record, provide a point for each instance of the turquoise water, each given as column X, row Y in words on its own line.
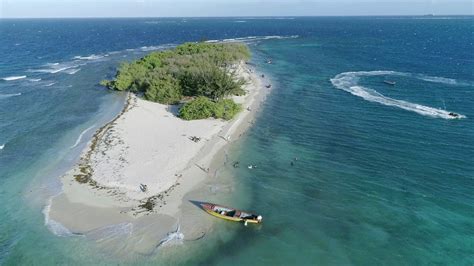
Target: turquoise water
column 382, row 175
column 373, row 184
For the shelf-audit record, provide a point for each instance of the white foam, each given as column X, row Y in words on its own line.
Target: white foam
column 175, row 237
column 3, row 96
column 348, row 81
column 53, row 70
column 150, row 48
column 78, row 140
column 50, row 84
column 90, row 57
column 35, row 80
column 447, row 81
column 13, row 78
column 53, row 226
column 254, row 38
column 2, row 146
column 72, row 71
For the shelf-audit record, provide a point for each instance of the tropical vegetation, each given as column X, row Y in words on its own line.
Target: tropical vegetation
column 202, row 75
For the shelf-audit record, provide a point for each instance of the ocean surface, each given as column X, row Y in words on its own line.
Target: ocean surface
column 350, row 170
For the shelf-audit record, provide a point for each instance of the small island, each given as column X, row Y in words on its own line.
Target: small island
column 142, row 169
column 199, row 75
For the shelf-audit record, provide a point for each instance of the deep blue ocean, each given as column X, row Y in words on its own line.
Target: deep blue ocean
column 351, row 170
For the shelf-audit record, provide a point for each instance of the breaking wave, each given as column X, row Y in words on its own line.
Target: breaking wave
column 90, row 57
column 53, row 69
column 175, row 237
column 72, row 71
column 49, row 84
column 53, row 226
column 78, row 140
column 254, row 38
column 2, row 146
column 348, row 81
column 154, row 48
column 3, row 96
column 13, row 78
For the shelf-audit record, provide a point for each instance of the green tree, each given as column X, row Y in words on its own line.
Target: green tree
column 162, row 88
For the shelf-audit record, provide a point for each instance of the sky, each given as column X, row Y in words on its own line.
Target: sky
column 213, row 8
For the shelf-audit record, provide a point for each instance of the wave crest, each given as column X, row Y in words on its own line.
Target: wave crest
column 13, row 78
column 3, row 96
column 175, row 237
column 53, row 226
column 78, row 140
column 254, row 38
column 90, row 57
column 72, row 71
column 348, row 81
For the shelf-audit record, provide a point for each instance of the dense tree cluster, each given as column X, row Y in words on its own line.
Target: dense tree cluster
column 200, row 71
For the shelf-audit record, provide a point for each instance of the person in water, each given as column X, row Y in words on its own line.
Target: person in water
column 453, row 114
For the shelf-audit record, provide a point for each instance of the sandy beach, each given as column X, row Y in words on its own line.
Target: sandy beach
column 148, row 145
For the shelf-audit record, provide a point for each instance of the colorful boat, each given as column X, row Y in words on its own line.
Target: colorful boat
column 231, row 214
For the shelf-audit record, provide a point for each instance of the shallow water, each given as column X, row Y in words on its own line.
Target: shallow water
column 373, row 183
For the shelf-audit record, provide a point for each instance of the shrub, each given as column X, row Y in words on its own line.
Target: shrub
column 203, row 107
column 199, row 108
column 107, row 83
column 226, row 109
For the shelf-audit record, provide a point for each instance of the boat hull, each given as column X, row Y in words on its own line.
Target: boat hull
column 211, row 209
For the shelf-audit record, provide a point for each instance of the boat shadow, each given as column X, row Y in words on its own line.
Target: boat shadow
column 199, row 204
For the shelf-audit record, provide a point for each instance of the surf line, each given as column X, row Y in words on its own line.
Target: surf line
column 348, row 81
column 80, row 136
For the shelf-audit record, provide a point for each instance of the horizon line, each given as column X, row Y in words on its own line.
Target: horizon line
column 258, row 16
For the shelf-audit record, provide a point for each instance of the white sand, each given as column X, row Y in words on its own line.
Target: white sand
column 148, row 144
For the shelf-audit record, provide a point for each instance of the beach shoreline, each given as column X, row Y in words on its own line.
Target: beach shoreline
column 103, row 191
